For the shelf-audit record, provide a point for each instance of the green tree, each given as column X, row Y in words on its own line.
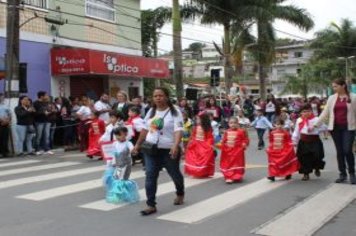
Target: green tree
column 265, row 12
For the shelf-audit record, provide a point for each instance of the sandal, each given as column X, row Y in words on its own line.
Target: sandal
column 148, row 211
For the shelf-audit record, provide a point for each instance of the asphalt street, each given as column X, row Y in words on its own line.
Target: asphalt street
column 63, row 195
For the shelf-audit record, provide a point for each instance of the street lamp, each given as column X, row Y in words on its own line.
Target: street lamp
column 348, row 79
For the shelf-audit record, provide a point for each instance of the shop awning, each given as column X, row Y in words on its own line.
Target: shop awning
column 78, row 61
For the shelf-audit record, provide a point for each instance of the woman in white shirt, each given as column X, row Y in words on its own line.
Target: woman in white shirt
column 270, row 110
column 163, row 127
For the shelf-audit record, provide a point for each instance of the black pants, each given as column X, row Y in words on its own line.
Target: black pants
column 153, row 166
column 344, row 139
column 260, row 133
column 4, row 137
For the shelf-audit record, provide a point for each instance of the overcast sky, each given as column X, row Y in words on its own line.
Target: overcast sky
column 323, row 12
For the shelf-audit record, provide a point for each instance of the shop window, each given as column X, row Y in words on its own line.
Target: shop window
column 101, row 9
column 43, row 4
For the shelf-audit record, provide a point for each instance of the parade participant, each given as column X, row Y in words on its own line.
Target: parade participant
column 287, row 123
column 135, row 124
column 162, row 135
column 244, row 122
column 215, row 126
column 199, row 156
column 282, row 161
column 310, row 150
column 341, row 111
column 184, row 107
column 114, row 119
column 233, row 145
column 96, row 130
column 187, row 131
column 119, row 188
column 261, row 124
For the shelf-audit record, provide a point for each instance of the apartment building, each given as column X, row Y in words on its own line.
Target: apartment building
column 77, row 47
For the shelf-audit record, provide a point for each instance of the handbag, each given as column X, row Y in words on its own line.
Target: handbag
column 150, row 149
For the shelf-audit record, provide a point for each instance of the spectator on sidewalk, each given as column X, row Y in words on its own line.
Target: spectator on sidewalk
column 5, row 122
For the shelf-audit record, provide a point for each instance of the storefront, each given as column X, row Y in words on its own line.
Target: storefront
column 77, row 72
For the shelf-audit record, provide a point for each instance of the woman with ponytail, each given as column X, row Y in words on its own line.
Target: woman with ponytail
column 163, row 128
column 341, row 111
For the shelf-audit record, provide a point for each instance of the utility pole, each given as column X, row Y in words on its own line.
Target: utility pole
column 12, row 59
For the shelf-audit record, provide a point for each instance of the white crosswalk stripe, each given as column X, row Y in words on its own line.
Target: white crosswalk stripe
column 162, row 189
column 37, row 168
column 218, row 204
column 303, row 219
column 18, row 163
column 70, row 189
column 310, row 215
column 52, row 176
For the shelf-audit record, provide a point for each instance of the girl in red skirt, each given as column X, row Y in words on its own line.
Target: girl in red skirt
column 282, row 160
column 233, row 145
column 199, row 156
column 96, row 130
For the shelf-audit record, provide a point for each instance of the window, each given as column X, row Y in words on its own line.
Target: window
column 37, row 3
column 298, row 54
column 101, row 9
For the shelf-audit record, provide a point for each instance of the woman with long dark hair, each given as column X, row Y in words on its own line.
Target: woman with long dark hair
column 341, row 111
column 163, row 130
column 84, row 114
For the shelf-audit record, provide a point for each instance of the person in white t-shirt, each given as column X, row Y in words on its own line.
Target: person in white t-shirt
column 104, row 108
column 163, row 127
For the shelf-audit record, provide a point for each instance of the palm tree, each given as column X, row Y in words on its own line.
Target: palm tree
column 335, row 41
column 265, row 12
column 231, row 14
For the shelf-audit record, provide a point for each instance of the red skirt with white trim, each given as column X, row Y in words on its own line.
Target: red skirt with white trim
column 232, row 163
column 199, row 159
column 282, row 162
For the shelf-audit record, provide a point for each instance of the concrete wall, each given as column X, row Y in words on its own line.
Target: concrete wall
column 36, row 55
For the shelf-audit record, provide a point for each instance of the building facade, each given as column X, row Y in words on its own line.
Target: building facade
column 56, row 50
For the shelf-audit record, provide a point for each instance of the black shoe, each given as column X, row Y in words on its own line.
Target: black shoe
column 148, row 211
column 271, row 178
column 341, row 179
column 352, row 179
column 90, row 156
column 317, row 173
column 288, row 177
column 305, row 177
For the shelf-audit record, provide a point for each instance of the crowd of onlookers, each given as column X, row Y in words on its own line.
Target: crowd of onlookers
column 45, row 123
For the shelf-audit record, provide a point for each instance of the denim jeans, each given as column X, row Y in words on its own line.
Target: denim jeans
column 42, row 132
column 154, row 164
column 23, row 136
column 260, row 133
column 344, row 139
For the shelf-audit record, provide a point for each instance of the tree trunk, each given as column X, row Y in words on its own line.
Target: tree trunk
column 261, row 72
column 155, row 54
column 262, row 80
column 227, row 59
column 177, row 49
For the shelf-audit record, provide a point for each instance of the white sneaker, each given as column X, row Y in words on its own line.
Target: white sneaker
column 39, row 153
column 49, row 152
